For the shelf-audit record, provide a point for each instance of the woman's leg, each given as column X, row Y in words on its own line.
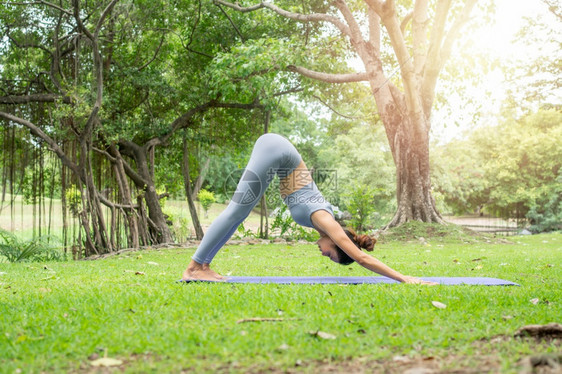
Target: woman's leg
column 266, row 160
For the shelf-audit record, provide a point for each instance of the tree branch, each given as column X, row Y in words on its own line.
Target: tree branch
column 35, row 130
column 155, row 53
column 313, row 17
column 231, row 22
column 291, row 90
column 374, row 30
column 130, row 148
column 42, row 3
column 105, row 13
column 390, row 21
column 405, row 21
column 437, row 32
column 355, row 36
column 453, row 33
column 334, row 110
column 27, row 45
column 34, row 98
column 329, row 78
column 419, row 35
column 180, row 122
column 76, row 6
column 440, row 51
column 376, row 6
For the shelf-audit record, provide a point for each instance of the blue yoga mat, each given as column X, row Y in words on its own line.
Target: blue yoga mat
column 449, row 281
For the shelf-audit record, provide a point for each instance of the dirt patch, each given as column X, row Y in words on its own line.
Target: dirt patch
column 396, row 364
column 548, row 332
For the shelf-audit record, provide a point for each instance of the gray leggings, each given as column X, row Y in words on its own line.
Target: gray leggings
column 272, row 155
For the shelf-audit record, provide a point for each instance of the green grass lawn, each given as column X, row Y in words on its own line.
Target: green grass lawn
column 60, row 316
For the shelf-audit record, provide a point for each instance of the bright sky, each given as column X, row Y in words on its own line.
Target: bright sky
column 497, row 41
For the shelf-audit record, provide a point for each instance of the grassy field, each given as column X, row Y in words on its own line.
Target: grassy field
column 63, row 316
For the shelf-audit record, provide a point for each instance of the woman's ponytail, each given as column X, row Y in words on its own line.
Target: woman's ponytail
column 362, row 241
column 366, row 242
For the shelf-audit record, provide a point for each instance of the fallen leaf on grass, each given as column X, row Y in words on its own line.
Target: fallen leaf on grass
column 106, row 362
column 322, row 335
column 419, row 370
column 400, row 359
column 439, row 305
column 139, row 273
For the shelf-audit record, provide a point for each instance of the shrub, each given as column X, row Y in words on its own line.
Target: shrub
column 243, row 232
column 179, row 225
column 365, row 203
column 73, row 199
column 36, row 249
column 546, row 213
column 206, row 198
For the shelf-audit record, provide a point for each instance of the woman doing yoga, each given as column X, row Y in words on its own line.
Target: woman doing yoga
column 275, row 155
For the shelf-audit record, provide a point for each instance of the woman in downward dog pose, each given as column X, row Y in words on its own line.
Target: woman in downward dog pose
column 275, row 155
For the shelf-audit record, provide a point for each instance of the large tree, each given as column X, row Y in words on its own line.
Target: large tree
column 121, row 81
column 116, row 80
column 421, row 43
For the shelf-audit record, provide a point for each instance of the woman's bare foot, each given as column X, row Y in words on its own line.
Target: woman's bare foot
column 208, row 269
column 197, row 271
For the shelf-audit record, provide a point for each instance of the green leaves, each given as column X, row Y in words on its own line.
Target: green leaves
column 206, row 198
column 37, row 249
column 508, row 169
column 251, row 69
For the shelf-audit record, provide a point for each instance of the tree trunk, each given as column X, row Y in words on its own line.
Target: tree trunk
column 408, row 137
column 200, row 179
column 92, row 206
column 264, row 226
column 133, row 237
column 189, row 193
column 143, row 179
column 156, row 217
column 413, row 181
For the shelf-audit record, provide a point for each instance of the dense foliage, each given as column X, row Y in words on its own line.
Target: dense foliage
column 512, row 170
column 112, row 106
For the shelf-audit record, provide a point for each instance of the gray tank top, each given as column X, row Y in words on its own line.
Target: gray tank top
column 302, row 203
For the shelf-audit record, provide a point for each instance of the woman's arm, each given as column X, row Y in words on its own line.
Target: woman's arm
column 334, row 230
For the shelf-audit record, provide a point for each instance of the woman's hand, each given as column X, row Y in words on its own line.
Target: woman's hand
column 414, row 280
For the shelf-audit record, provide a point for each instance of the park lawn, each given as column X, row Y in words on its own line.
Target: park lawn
column 60, row 316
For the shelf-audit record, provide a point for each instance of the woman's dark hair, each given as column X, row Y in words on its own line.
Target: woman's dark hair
column 361, row 241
